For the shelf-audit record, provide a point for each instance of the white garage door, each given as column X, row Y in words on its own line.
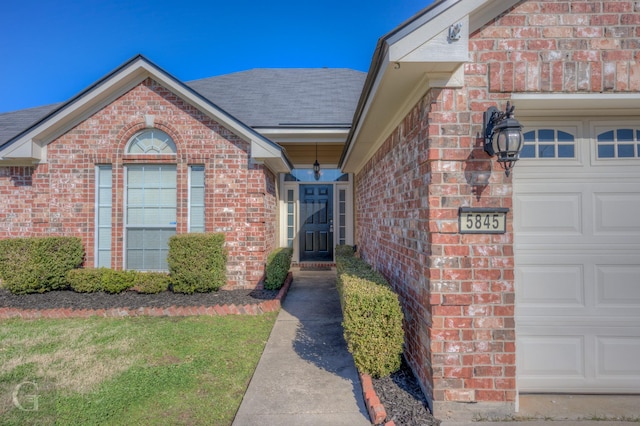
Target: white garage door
column 577, row 252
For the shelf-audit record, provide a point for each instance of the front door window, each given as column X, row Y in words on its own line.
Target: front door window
column 316, row 210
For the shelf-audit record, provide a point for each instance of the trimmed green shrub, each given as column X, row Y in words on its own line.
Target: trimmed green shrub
column 118, row 281
column 91, row 280
column 372, row 316
column 197, row 262
column 85, row 280
column 36, row 265
column 278, row 264
column 151, row 282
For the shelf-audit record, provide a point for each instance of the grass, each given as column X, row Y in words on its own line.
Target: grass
column 129, row 371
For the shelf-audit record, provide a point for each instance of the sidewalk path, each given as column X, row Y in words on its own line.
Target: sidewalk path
column 306, row 376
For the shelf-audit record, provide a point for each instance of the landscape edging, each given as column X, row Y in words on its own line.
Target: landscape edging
column 172, row 311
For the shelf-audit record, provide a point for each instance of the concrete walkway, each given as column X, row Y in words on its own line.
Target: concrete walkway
column 306, row 376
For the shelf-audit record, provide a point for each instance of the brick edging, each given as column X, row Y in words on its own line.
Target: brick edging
column 172, row 311
column 377, row 413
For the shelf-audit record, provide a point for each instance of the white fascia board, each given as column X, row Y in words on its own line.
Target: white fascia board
column 73, row 113
column 576, row 104
column 112, row 87
column 27, row 150
column 305, row 135
column 355, row 132
column 433, row 25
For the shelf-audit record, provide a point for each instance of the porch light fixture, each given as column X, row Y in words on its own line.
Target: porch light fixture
column 503, row 136
column 316, row 166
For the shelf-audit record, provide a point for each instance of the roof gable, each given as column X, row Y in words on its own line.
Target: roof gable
column 29, row 143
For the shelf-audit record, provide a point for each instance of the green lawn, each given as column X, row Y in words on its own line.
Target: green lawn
column 129, row 371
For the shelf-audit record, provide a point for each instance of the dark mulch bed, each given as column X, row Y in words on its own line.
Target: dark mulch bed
column 403, row 399
column 131, row 299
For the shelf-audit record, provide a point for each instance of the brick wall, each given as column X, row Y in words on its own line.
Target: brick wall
column 458, row 290
column 58, row 198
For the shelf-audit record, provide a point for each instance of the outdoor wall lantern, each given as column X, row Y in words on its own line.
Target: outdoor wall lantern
column 503, row 136
column 316, row 166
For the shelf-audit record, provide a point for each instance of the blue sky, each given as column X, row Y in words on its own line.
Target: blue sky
column 51, row 50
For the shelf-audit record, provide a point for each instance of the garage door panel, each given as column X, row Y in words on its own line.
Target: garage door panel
column 618, row 356
column 543, row 214
column 618, row 285
column 578, row 358
column 616, row 213
column 560, row 286
column 551, row 356
column 584, row 283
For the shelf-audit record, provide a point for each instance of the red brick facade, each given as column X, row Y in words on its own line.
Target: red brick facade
column 58, row 197
column 458, row 289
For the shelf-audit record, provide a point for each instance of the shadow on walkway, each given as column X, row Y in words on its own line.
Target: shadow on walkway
column 306, row 376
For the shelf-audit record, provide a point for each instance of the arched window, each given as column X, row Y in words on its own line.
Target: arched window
column 151, row 141
column 150, row 203
column 619, row 143
column 548, row 143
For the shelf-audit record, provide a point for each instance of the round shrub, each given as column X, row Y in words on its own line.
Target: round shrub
column 117, row 281
column 278, row 264
column 85, row 280
column 151, row 282
column 197, row 262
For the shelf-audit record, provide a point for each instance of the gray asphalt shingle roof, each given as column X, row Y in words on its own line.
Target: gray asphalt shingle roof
column 264, row 97
column 286, row 96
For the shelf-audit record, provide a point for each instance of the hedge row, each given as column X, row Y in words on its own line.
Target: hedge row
column 197, row 263
column 372, row 315
column 278, row 265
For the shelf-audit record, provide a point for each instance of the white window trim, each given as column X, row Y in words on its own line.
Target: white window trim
column 189, row 195
column 97, row 204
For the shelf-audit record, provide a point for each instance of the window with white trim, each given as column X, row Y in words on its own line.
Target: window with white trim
column 290, row 217
column 150, row 203
column 342, row 216
column 619, row 143
column 151, row 141
column 196, row 199
column 104, row 191
column 548, row 143
column 150, row 215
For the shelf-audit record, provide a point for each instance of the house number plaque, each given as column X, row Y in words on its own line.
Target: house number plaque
column 482, row 220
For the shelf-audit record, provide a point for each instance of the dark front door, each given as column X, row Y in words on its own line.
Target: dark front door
column 316, row 209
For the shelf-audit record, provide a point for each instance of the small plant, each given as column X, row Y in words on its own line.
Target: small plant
column 197, row 262
column 118, row 281
column 91, row 280
column 151, row 282
column 87, row 280
column 278, row 264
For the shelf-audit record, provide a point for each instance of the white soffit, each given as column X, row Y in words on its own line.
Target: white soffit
column 417, row 56
column 576, row 104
